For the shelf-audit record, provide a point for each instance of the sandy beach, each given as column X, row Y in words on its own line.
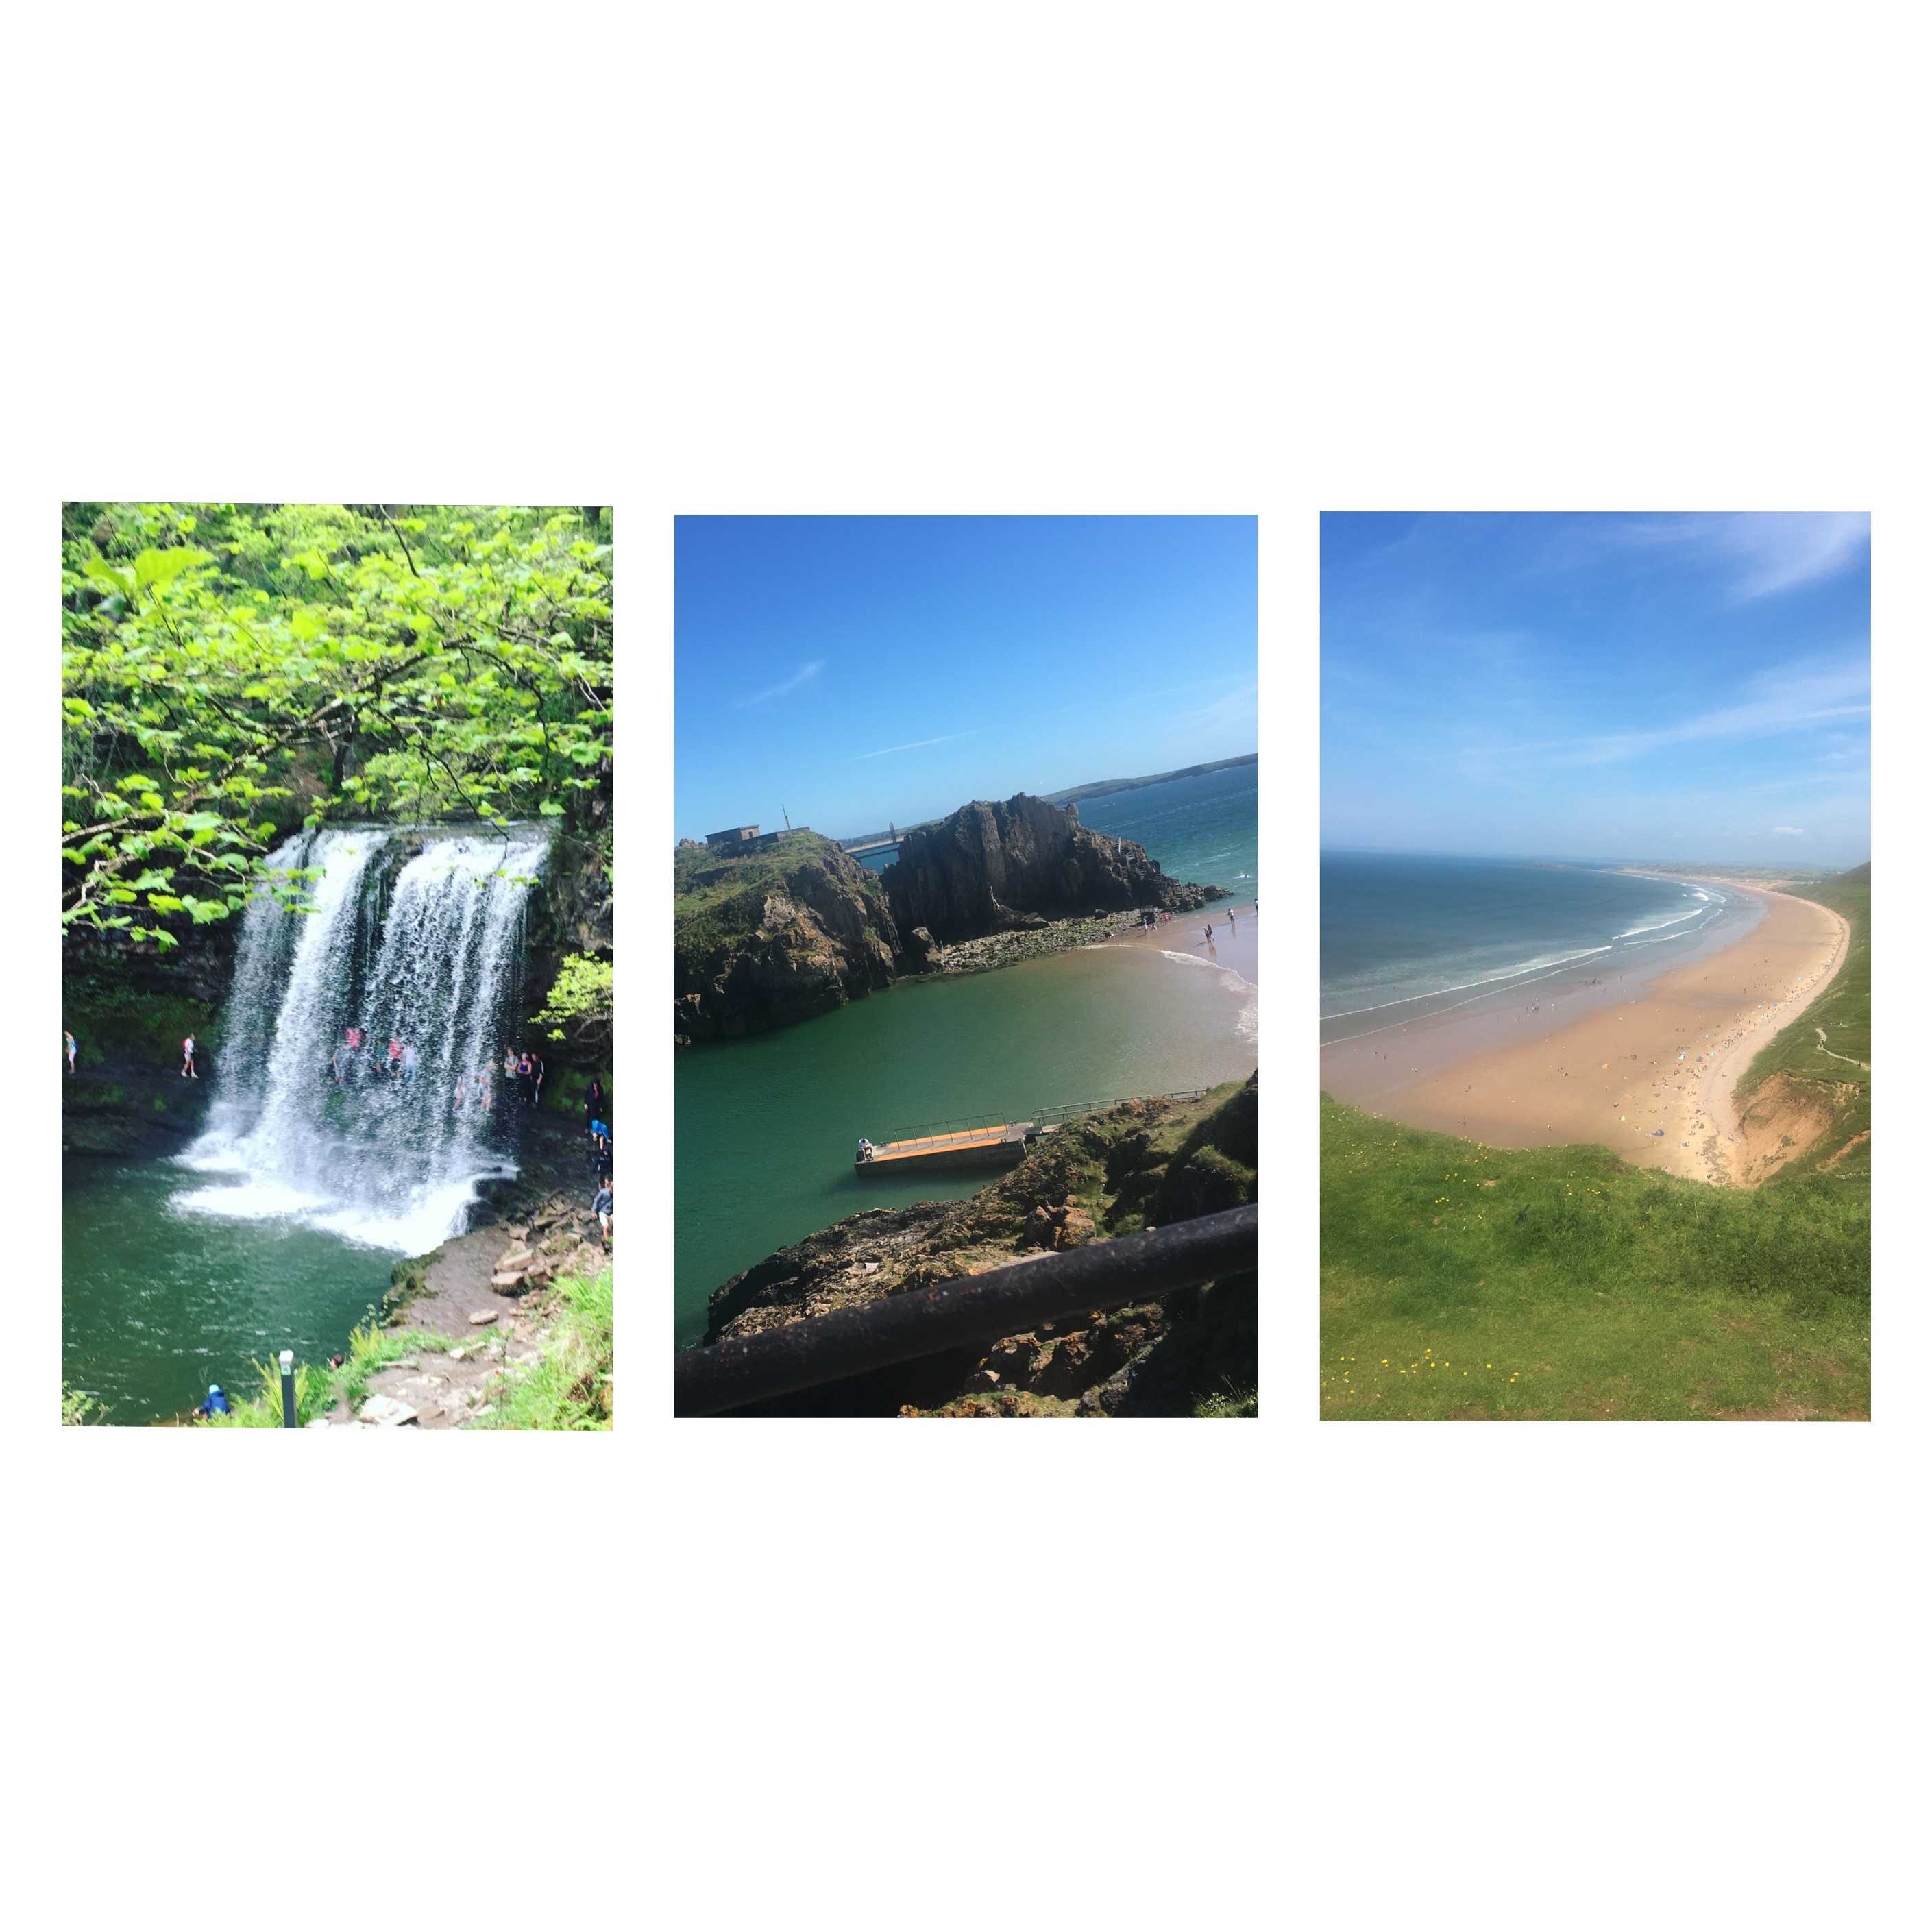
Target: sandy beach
column 1649, row 1076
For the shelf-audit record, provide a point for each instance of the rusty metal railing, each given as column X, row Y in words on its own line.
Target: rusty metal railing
column 1006, row 1300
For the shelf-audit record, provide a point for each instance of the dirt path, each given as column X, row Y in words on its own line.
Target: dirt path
column 491, row 1331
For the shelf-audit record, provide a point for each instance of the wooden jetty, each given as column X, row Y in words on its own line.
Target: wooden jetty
column 982, row 1140
column 990, row 1144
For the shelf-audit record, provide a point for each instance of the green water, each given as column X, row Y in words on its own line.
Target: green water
column 155, row 1304
column 766, row 1127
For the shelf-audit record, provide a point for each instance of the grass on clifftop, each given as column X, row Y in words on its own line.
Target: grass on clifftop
column 1460, row 1281
column 717, row 899
column 1841, row 1071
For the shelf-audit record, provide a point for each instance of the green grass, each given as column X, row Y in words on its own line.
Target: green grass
column 318, row 1388
column 1844, row 1011
column 569, row 1387
column 718, row 900
column 1576, row 1286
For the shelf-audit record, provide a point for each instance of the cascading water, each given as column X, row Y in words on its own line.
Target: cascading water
column 313, row 1114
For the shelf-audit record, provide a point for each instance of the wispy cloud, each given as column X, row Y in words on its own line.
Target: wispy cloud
column 1791, row 699
column 803, row 675
column 885, row 751
column 1760, row 552
column 1789, row 831
column 1234, row 707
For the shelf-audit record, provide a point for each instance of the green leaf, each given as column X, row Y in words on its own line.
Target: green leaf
column 154, row 569
column 202, row 821
column 98, row 570
column 550, row 809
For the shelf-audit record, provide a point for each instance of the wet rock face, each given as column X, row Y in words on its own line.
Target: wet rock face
column 1006, row 868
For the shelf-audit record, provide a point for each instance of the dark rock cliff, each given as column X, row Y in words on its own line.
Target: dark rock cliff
column 1144, row 1163
column 993, row 868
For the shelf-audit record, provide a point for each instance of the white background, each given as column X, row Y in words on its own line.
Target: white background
column 993, row 258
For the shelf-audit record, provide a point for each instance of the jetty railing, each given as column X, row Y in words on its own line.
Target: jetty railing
column 1077, row 1110
column 939, row 1131
column 1007, row 1300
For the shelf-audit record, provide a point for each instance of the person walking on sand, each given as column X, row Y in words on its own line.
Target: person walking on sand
column 71, row 1049
column 187, row 1059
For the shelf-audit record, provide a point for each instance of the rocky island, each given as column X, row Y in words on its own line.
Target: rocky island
column 769, row 937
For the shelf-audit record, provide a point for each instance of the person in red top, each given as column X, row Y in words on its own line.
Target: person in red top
column 187, row 1059
column 395, row 1054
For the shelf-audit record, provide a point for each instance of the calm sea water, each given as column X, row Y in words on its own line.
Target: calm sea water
column 766, row 1127
column 157, row 1302
column 1204, row 830
column 1399, row 930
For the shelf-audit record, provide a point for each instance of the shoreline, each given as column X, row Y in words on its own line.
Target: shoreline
column 992, row 950
column 1664, row 1056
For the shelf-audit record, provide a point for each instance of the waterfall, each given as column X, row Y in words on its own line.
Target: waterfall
column 413, row 936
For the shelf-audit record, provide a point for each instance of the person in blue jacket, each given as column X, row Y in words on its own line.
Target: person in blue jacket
column 213, row 1403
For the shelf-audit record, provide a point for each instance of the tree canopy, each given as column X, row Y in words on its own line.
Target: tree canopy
column 231, row 670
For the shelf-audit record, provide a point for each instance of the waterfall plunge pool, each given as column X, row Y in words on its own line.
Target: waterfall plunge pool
column 157, row 1301
column 323, row 1159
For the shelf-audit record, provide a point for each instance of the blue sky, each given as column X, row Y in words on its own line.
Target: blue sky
column 856, row 671
column 1673, row 688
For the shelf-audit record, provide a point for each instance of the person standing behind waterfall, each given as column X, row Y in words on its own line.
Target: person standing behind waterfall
column 536, row 1079
column 458, row 1107
column 409, row 1063
column 187, row 1059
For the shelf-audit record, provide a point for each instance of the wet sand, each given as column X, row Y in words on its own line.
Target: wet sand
column 1236, row 948
column 1663, row 1053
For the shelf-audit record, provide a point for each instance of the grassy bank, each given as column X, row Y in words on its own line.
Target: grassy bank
column 568, row 1387
column 1463, row 1281
column 1836, row 1074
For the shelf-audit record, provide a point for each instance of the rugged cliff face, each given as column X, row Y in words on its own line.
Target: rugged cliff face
column 1145, row 1163
column 777, row 937
column 994, row 868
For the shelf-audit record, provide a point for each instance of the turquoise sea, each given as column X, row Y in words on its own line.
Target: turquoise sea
column 765, row 1126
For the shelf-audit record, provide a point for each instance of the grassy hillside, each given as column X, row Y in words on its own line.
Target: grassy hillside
column 1101, row 787
column 1463, row 1281
column 1839, row 1071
